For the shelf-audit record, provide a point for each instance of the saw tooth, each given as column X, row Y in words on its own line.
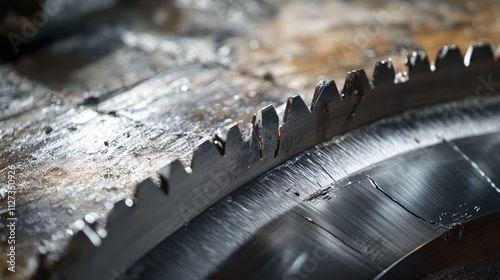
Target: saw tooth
column 265, row 129
column 172, row 175
column 325, row 93
column 78, row 250
column 355, row 87
column 204, row 155
column 478, row 52
column 147, row 191
column 232, row 140
column 295, row 110
column 383, row 73
column 356, row 84
column 297, row 128
column 417, row 63
column 330, row 107
column 449, row 57
column 116, row 215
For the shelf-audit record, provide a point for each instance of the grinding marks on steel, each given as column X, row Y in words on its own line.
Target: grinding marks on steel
column 217, row 170
column 363, row 219
column 214, row 235
column 320, row 173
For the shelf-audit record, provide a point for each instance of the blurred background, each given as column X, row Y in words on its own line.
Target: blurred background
column 95, row 96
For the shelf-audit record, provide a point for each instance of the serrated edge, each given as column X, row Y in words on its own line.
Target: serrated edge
column 332, row 112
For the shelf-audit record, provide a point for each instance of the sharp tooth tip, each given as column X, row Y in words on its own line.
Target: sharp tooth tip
column 295, row 101
column 120, row 209
column 385, row 61
column 233, row 130
column 270, row 108
column 147, row 181
column 478, row 52
column 480, row 44
column 356, row 72
column 323, row 83
column 295, row 105
column 173, row 173
column 146, row 188
column 204, row 154
column 384, row 64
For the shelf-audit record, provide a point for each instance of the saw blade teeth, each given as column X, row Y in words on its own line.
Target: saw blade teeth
column 119, row 211
column 204, row 155
column 417, row 63
column 236, row 159
column 78, row 249
column 147, row 191
column 326, row 92
column 233, row 140
column 449, row 57
column 297, row 117
column 478, row 52
column 172, row 175
column 383, row 73
column 356, row 84
column 295, row 109
column 265, row 128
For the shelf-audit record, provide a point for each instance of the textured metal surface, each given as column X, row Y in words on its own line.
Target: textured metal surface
column 310, row 187
column 221, row 166
column 465, row 242
column 87, row 118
